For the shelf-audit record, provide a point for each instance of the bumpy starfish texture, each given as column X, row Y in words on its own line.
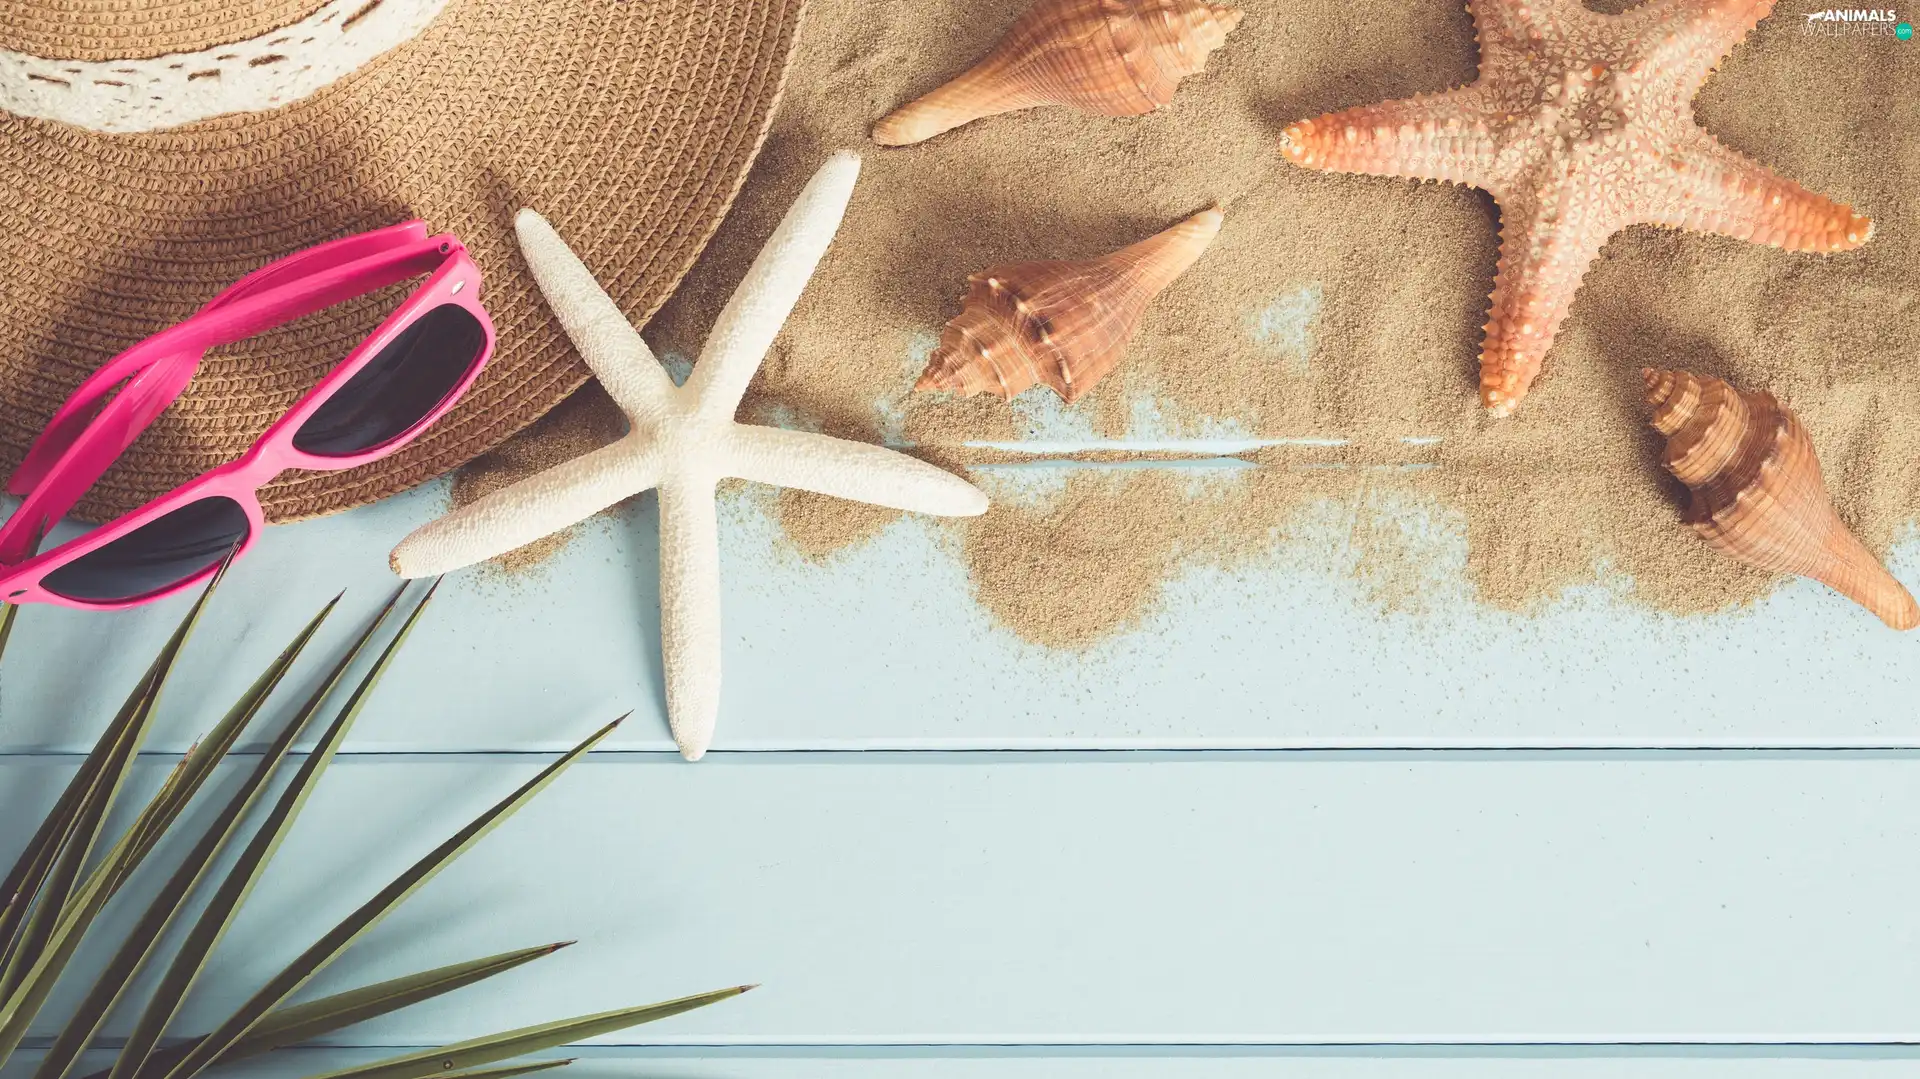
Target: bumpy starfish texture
column 1579, row 124
column 684, row 440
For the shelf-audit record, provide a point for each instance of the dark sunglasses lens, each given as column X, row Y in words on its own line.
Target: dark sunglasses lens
column 159, row 554
column 398, row 387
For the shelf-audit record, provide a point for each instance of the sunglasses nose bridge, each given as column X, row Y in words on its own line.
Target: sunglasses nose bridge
column 258, row 466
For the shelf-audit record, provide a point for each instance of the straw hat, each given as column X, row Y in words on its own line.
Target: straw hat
column 153, row 151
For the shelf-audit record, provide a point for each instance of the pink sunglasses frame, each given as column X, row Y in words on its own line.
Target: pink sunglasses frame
column 84, row 438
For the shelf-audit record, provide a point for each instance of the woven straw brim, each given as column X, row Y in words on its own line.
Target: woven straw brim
column 629, row 125
column 131, row 29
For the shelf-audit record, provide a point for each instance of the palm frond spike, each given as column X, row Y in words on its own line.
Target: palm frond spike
column 71, row 868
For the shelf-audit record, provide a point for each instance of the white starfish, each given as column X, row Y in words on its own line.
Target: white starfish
column 684, row 440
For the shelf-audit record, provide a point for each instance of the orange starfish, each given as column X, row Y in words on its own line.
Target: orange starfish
column 1580, row 124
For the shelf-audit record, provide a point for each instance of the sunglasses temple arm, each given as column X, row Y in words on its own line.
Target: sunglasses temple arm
column 101, row 443
column 405, row 236
column 407, row 253
column 78, row 447
column 243, row 318
column 80, row 409
column 60, row 434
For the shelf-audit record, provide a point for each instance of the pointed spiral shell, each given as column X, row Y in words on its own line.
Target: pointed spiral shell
column 1757, row 492
column 1064, row 324
column 1112, row 57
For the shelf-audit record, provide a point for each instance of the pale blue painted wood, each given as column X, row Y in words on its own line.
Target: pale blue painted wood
column 998, row 1063
column 884, row 647
column 1080, row 898
column 1105, row 898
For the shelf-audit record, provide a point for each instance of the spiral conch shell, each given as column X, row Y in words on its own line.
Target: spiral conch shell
column 1065, row 324
column 1757, row 491
column 1113, row 57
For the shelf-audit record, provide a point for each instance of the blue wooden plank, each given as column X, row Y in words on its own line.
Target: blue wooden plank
column 884, row 646
column 1100, row 898
column 997, row 1062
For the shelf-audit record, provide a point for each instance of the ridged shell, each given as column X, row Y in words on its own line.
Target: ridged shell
column 1113, row 57
column 1757, row 491
column 1065, row 324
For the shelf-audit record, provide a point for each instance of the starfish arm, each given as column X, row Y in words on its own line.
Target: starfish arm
column 1545, row 249
column 1443, row 136
column 1723, row 191
column 1688, row 38
column 1506, row 29
column 850, row 470
column 690, row 612
column 608, row 343
column 752, row 318
column 537, row 506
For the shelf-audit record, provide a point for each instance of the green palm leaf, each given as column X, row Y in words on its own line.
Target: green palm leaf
column 233, row 891
column 60, row 882
column 513, row 1069
column 7, row 611
column 301, row 1022
column 58, row 918
column 30, row 870
column 526, row 1040
column 138, row 946
column 33, row 883
column 200, row 760
column 336, row 940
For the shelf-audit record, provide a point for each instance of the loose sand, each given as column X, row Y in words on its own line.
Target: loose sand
column 1331, row 306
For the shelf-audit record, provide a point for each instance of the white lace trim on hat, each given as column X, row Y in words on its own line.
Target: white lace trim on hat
column 271, row 70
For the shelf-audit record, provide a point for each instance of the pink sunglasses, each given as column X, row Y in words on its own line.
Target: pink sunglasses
column 402, row 378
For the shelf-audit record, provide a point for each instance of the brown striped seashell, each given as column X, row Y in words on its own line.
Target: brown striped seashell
column 1065, row 324
column 1112, row 57
column 1757, row 491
